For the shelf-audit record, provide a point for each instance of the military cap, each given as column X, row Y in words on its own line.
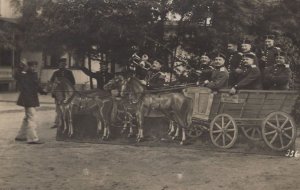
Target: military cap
column 246, row 41
column 280, row 53
column 219, row 54
column 63, row 60
column 269, row 37
column 250, row 55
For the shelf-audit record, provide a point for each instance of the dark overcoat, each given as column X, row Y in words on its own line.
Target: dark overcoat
column 28, row 86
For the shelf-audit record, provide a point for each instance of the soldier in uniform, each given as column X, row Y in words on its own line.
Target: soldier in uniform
column 233, row 60
column 250, row 77
column 267, row 57
column 236, row 65
column 220, row 75
column 102, row 76
column 204, row 69
column 155, row 79
column 277, row 77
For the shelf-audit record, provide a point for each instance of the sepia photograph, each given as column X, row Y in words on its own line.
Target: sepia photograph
column 149, row 94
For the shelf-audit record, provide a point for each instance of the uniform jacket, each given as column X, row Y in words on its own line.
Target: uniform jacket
column 63, row 73
column 250, row 78
column 219, row 79
column 154, row 79
column 101, row 77
column 29, row 87
column 277, row 77
column 233, row 61
column 205, row 72
column 270, row 54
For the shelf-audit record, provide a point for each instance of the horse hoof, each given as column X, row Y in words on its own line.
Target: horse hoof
column 105, row 138
column 182, row 143
column 175, row 138
column 140, row 140
column 130, row 135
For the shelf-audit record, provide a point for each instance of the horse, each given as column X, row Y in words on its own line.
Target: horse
column 174, row 105
column 70, row 101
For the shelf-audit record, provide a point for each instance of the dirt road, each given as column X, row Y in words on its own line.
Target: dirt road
column 67, row 165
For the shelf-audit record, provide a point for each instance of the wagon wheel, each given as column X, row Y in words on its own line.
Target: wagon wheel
column 252, row 133
column 279, row 131
column 195, row 130
column 223, row 131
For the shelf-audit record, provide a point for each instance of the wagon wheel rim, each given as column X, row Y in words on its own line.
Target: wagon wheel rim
column 223, row 131
column 195, row 131
column 252, row 133
column 279, row 131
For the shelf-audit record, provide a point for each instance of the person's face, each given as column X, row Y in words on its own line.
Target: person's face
column 219, row 61
column 248, row 61
column 280, row 60
column 204, row 59
column 62, row 65
column 269, row 43
column 32, row 68
column 156, row 65
column 245, row 47
column 231, row 47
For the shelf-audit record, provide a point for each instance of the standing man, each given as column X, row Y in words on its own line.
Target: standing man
column 102, row 76
column 233, row 60
column 220, row 76
column 250, row 78
column 28, row 84
column 267, row 58
column 67, row 74
column 277, row 77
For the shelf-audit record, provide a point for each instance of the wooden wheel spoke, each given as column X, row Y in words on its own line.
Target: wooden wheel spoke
column 271, row 125
column 222, row 121
column 288, row 128
column 287, row 136
column 217, row 131
column 218, row 125
column 284, row 123
column 226, row 126
column 253, row 132
column 224, row 140
column 247, row 130
column 281, row 140
column 270, row 133
column 274, row 137
column 230, row 137
column 277, row 121
column 217, row 138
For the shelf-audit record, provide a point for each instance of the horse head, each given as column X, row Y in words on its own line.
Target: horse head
column 133, row 89
column 114, row 85
column 61, row 89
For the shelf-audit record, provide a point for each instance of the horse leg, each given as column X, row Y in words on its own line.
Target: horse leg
column 140, row 121
column 183, row 141
column 176, row 136
column 71, row 131
column 171, row 128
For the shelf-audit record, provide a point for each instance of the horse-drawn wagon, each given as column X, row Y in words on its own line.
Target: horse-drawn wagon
column 258, row 114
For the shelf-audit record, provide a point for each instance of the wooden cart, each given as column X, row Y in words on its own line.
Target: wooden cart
column 258, row 114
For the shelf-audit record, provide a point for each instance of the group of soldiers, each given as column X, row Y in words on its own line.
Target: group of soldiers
column 267, row 70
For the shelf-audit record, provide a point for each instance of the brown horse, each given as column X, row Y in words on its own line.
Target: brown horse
column 174, row 105
column 70, row 102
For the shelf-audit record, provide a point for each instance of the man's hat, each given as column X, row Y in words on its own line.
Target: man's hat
column 31, row 63
column 269, row 37
column 205, row 54
column 63, row 60
column 280, row 53
column 250, row 55
column 219, row 54
column 245, row 41
column 232, row 41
